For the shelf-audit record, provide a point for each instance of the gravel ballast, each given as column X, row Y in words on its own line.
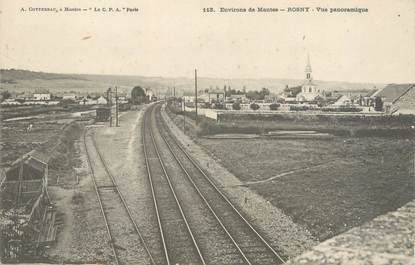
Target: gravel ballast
column 121, row 148
column 292, row 239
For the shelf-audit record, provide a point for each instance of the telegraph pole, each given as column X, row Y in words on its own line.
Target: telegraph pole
column 116, row 107
column 184, row 115
column 109, row 98
column 196, row 94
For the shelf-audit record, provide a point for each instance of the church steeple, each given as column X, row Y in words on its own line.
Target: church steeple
column 308, row 69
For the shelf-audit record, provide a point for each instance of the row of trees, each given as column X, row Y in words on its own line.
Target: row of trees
column 254, row 106
column 258, row 95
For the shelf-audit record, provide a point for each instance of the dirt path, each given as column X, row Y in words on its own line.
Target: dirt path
column 290, row 238
column 287, row 173
column 82, row 236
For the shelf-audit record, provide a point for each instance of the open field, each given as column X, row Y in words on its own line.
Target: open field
column 17, row 141
column 327, row 185
column 30, row 111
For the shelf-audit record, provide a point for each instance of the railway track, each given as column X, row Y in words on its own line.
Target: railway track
column 125, row 239
column 251, row 245
column 176, row 235
column 197, row 223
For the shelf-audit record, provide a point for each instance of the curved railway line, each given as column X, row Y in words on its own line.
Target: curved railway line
column 240, row 233
column 196, row 222
column 178, row 242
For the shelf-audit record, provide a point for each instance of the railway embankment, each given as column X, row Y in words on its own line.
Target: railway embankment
column 387, row 239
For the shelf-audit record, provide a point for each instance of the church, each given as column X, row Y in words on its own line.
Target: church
column 309, row 90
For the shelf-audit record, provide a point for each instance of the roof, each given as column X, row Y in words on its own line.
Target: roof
column 406, row 102
column 40, row 156
column 236, row 95
column 392, row 92
column 371, row 92
column 35, row 155
column 34, row 167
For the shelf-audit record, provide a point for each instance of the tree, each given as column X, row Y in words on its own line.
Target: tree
column 230, row 92
column 258, row 95
column 264, row 91
column 274, row 106
column 236, row 106
column 321, row 102
column 293, row 91
column 254, row 106
column 138, row 95
column 254, row 95
column 6, row 94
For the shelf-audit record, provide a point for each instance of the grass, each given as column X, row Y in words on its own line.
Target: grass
column 22, row 111
column 338, row 184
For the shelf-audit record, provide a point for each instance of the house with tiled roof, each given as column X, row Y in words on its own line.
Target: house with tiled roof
column 397, row 98
column 405, row 104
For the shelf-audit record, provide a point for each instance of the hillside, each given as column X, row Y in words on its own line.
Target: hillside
column 12, row 75
column 27, row 81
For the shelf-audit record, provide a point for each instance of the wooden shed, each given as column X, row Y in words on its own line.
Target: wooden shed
column 103, row 114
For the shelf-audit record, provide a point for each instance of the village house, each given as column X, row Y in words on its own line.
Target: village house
column 237, row 98
column 42, row 96
column 216, row 95
column 69, row 97
column 97, row 101
column 102, row 100
column 397, row 98
column 150, row 94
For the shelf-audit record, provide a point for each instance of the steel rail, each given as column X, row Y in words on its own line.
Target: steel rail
column 124, row 203
column 207, row 203
column 111, row 240
column 223, row 195
column 166, row 254
column 175, row 196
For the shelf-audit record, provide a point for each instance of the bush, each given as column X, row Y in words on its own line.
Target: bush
column 342, row 109
column 236, row 106
column 302, row 108
column 217, row 105
column 274, row 106
column 254, row 106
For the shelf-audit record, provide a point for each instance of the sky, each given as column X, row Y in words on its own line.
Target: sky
column 172, row 38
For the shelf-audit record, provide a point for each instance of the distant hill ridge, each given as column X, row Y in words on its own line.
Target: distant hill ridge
column 21, row 79
column 10, row 75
